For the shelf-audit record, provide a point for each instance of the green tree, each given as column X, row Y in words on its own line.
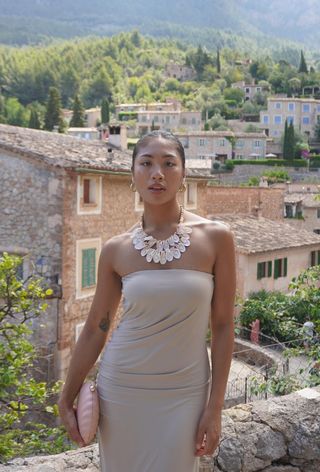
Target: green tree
column 105, row 112
column 21, row 395
column 34, row 120
column 303, row 68
column 53, row 111
column 77, row 119
column 285, row 141
column 218, row 62
column 291, row 142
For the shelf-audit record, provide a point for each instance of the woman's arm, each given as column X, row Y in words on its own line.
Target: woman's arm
column 222, row 339
column 92, row 338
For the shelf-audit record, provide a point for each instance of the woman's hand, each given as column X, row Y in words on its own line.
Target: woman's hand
column 69, row 420
column 208, row 433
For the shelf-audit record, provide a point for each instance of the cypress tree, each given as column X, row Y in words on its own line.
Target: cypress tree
column 34, row 121
column 218, row 62
column 291, row 141
column 77, row 119
column 303, row 65
column 105, row 112
column 53, row 110
column 285, row 141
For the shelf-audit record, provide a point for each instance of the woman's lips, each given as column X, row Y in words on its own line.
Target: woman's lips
column 156, row 189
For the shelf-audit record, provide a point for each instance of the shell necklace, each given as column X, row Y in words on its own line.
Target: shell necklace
column 162, row 250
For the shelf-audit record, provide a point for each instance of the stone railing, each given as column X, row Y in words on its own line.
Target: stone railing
column 278, row 435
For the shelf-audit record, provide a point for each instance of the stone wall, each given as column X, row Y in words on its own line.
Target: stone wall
column 278, row 435
column 245, row 200
column 31, row 224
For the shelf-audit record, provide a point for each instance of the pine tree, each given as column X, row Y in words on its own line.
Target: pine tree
column 285, row 141
column 218, row 62
column 303, row 65
column 34, row 121
column 105, row 112
column 77, row 119
column 53, row 111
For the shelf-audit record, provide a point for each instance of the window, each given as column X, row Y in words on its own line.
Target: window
column 278, row 120
column 202, row 142
column 280, row 268
column 290, row 106
column 167, row 119
column 190, row 196
column 290, row 120
column 240, row 143
column 264, row 269
column 318, row 212
column 247, row 90
column 265, row 119
column 89, row 194
column 143, row 118
column 257, row 144
column 156, row 119
column 258, row 89
column 193, row 121
column 239, row 156
column 183, row 121
column 306, row 120
column 315, row 258
column 87, row 254
column 221, row 142
column 318, row 108
column 277, row 106
column 306, row 108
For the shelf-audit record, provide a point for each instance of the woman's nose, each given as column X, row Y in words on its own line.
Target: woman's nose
column 157, row 173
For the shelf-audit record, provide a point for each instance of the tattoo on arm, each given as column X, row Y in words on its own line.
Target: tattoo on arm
column 105, row 323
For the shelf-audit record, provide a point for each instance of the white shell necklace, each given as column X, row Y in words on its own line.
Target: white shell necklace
column 162, row 250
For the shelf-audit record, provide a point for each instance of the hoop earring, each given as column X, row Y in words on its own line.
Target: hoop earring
column 133, row 187
column 183, row 186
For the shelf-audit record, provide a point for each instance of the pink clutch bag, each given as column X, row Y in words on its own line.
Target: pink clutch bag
column 88, row 411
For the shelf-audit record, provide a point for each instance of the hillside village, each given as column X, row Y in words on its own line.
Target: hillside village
column 70, row 115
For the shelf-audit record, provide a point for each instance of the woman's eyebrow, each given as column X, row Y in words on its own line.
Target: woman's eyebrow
column 164, row 155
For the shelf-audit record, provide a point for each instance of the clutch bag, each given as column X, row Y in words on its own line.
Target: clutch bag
column 88, row 411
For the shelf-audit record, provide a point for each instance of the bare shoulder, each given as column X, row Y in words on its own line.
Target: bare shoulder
column 213, row 228
column 112, row 247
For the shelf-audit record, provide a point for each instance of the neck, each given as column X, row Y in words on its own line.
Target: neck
column 161, row 217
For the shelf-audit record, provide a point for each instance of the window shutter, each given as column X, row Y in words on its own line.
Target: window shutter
column 276, row 269
column 86, row 191
column 259, row 270
column 269, row 268
column 318, row 257
column 88, row 267
column 285, row 266
column 313, row 258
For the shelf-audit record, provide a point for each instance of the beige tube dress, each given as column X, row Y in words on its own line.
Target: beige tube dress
column 154, row 375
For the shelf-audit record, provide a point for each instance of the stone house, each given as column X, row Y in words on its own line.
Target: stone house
column 268, row 252
column 169, row 105
column 92, row 116
column 62, row 198
column 179, row 72
column 84, row 133
column 223, row 145
column 249, row 89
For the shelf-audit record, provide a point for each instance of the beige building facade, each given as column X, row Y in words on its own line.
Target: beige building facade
column 250, row 90
column 223, row 145
column 304, row 113
column 168, row 120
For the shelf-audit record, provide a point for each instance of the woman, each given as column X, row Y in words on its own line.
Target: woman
column 160, row 411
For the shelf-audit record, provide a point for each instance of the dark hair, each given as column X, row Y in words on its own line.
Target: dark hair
column 163, row 135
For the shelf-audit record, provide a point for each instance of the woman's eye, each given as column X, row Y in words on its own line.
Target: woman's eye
column 171, row 164
column 146, row 163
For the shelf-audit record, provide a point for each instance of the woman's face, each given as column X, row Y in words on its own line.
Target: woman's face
column 158, row 171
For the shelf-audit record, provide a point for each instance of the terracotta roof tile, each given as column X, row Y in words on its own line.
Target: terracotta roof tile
column 61, row 150
column 258, row 234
